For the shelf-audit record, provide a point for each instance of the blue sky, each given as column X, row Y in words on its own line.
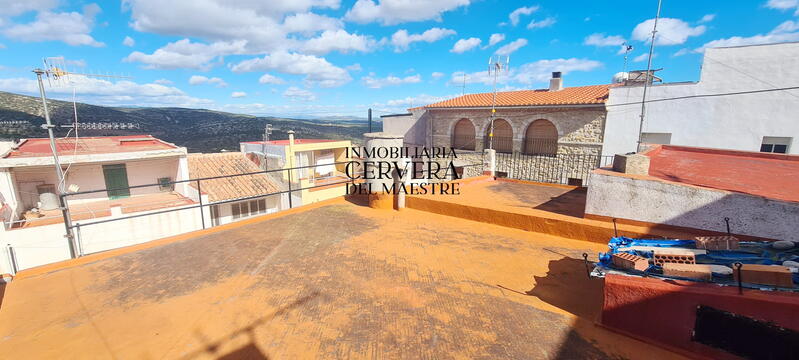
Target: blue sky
column 332, row 57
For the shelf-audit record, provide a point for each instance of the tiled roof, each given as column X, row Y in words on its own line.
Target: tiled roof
column 296, row 141
column 39, row 147
column 580, row 95
column 231, row 163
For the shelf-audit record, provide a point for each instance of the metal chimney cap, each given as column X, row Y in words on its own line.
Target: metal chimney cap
column 556, row 74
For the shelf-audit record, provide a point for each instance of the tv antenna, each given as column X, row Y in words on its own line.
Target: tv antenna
column 56, row 72
column 627, row 48
column 267, row 132
column 497, row 64
column 648, row 78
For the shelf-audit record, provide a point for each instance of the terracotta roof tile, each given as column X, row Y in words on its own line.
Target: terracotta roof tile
column 580, row 95
column 38, row 147
column 231, row 163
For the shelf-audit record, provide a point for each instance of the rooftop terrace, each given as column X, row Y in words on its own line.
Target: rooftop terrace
column 40, row 147
column 358, row 283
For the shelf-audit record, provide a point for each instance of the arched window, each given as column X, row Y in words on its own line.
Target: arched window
column 463, row 135
column 541, row 138
column 503, row 136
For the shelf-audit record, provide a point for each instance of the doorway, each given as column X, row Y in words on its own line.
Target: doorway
column 116, row 181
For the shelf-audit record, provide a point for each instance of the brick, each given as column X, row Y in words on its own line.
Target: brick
column 630, row 261
column 776, row 275
column 691, row 271
column 724, row 242
column 675, row 256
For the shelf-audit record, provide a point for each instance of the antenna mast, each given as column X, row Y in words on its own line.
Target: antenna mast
column 647, row 78
column 267, row 132
column 496, row 65
column 627, row 49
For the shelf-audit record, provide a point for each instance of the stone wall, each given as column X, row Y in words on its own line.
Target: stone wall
column 580, row 129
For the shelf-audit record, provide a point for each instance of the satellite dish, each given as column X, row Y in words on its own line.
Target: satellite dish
column 620, row 77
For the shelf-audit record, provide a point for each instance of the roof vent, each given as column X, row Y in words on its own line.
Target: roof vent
column 556, row 83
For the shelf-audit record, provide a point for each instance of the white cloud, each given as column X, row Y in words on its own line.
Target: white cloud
column 354, row 67
column 105, row 92
column 670, row 31
column 511, row 47
column 436, row 75
column 784, row 32
column 600, row 39
column 412, row 101
column 495, row 39
column 464, row 45
column 184, row 54
column 72, row 28
column 308, row 23
column 392, row 12
column 681, row 52
column 707, row 18
column 783, row 5
column 203, row 80
column 270, row 79
column 339, row 40
column 402, row 40
column 128, row 41
column 316, row 70
column 14, row 8
column 296, row 94
column 163, row 82
column 530, row 73
column 515, row 14
column 541, row 24
column 377, row 83
column 238, row 94
column 643, row 57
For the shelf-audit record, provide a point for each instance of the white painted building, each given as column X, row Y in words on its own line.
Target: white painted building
column 734, row 105
column 33, row 226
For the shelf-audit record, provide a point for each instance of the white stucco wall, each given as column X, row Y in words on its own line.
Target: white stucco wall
column 736, row 122
column 661, row 202
column 413, row 128
column 274, row 203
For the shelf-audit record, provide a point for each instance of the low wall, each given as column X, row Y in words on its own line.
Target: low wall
column 651, row 200
column 39, row 245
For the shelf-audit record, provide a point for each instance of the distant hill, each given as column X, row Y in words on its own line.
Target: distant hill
column 199, row 130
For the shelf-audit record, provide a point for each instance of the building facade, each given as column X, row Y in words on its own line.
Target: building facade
column 740, row 103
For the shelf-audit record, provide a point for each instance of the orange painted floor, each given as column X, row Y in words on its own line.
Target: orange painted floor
column 519, row 197
column 359, row 283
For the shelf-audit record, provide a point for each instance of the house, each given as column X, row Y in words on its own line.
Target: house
column 322, row 169
column 545, row 124
column 738, row 104
column 90, row 163
column 121, row 185
column 236, row 197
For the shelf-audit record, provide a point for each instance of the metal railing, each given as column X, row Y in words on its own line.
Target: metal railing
column 540, row 146
column 502, row 144
column 463, row 142
column 569, row 169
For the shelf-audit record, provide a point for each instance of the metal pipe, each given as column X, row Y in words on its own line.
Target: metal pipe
column 12, row 257
column 200, row 196
column 647, row 79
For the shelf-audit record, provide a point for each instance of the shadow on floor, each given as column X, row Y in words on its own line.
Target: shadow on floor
column 571, row 203
column 568, row 287
column 249, row 352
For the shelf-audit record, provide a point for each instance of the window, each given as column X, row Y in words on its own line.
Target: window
column 541, row 138
column 214, row 215
column 775, row 144
column 165, row 184
column 248, row 208
column 503, row 137
column 463, row 135
column 656, row 138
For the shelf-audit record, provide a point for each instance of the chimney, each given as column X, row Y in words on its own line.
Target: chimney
column 556, row 83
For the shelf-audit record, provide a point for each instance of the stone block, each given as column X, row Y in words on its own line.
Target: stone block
column 691, row 271
column 630, row 261
column 776, row 275
column 724, row 242
column 633, row 164
column 675, row 256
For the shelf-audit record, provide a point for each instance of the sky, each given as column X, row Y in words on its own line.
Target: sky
column 320, row 58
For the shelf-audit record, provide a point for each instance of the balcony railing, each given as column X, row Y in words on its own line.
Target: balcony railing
column 463, row 142
column 540, row 146
column 502, row 144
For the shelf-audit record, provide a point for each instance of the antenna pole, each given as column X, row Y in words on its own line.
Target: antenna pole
column 648, row 78
column 59, row 173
